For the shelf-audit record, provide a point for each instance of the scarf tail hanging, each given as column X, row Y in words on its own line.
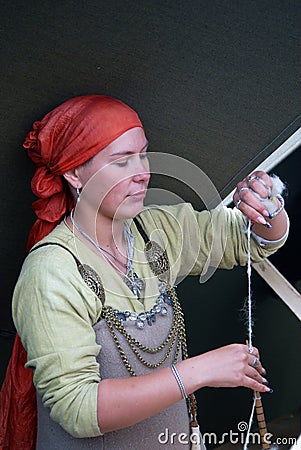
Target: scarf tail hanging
column 18, row 414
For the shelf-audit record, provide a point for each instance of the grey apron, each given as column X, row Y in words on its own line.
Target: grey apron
column 162, row 431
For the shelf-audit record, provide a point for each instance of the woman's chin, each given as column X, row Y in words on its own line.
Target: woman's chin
column 130, row 209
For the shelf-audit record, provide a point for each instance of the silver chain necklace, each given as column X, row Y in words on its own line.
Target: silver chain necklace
column 130, row 278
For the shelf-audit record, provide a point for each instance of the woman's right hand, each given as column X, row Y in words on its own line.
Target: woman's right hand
column 132, row 399
column 229, row 366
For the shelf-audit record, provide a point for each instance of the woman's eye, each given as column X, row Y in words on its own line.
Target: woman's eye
column 122, row 162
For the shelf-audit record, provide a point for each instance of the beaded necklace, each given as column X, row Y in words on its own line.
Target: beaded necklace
column 131, row 279
column 115, row 319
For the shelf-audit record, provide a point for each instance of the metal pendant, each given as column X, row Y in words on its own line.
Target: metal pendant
column 135, row 283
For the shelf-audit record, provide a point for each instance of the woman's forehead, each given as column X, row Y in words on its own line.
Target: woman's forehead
column 132, row 141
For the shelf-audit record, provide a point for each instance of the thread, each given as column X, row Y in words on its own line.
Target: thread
column 249, row 273
column 248, row 306
column 277, row 188
column 250, row 425
column 257, row 399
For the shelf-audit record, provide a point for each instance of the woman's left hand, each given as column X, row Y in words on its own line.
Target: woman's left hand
column 245, row 198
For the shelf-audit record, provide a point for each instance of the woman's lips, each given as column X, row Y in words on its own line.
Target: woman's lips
column 138, row 194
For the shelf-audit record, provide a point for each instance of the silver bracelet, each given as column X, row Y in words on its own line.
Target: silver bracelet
column 281, row 207
column 179, row 381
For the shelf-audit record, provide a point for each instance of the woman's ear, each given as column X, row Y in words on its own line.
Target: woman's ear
column 72, row 177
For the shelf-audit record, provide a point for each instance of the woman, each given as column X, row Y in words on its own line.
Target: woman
column 95, row 304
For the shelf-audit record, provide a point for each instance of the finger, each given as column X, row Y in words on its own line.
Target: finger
column 246, row 195
column 251, row 213
column 259, row 367
column 239, row 187
column 258, row 186
column 255, row 380
column 251, row 372
column 261, row 183
column 256, row 385
column 264, row 176
column 253, row 351
column 255, row 363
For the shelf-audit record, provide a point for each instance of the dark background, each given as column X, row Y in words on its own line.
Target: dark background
column 215, row 82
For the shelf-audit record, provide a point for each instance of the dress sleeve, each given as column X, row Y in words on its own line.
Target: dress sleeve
column 197, row 241
column 53, row 311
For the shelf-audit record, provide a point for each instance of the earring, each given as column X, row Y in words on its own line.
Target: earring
column 77, row 195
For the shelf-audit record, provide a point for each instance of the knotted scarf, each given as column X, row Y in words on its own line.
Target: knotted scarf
column 65, row 138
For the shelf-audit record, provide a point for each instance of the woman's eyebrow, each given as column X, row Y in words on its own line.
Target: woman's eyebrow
column 129, row 152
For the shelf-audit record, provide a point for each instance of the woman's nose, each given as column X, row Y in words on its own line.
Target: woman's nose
column 141, row 176
column 142, row 170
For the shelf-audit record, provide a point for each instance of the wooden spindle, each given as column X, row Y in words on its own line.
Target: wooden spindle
column 261, row 421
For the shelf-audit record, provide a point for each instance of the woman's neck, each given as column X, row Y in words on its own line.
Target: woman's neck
column 104, row 231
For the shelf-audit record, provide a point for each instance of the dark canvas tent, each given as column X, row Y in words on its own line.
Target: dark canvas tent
column 215, row 82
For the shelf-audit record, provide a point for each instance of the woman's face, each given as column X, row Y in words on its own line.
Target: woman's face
column 114, row 181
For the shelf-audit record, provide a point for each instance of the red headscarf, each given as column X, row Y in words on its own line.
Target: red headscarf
column 65, row 138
